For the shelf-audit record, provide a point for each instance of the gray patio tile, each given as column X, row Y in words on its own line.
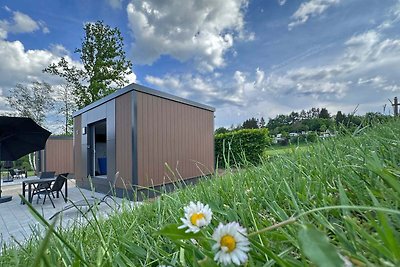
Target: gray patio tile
column 16, row 221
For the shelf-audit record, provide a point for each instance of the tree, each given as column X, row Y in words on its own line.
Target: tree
column 340, row 117
column 250, row 124
column 262, row 122
column 324, row 114
column 104, row 65
column 221, row 130
column 32, row 101
column 66, row 106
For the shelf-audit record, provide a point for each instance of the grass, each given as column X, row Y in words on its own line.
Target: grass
column 279, row 150
column 313, row 192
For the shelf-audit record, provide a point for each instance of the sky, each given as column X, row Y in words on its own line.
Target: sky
column 246, row 58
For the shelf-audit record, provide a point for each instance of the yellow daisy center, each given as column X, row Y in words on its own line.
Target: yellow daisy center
column 195, row 217
column 229, row 242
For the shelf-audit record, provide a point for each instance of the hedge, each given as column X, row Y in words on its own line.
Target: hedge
column 241, row 147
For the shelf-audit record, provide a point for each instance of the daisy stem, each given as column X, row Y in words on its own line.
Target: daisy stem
column 272, row 227
column 293, row 219
column 349, row 208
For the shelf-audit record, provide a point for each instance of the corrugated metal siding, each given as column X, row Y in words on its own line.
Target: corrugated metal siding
column 79, row 169
column 59, row 155
column 175, row 134
column 123, row 139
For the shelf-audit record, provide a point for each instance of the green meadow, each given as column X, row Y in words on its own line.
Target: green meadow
column 333, row 201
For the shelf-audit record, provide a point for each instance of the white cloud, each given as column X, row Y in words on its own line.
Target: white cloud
column 239, row 91
column 20, row 65
column 115, row 4
column 309, row 9
column 367, row 66
column 194, row 29
column 20, row 23
column 281, row 2
column 393, row 17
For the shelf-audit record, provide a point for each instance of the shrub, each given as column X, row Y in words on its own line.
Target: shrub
column 240, row 147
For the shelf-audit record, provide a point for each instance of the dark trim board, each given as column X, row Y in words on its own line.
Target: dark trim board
column 138, row 194
column 143, row 89
column 135, row 179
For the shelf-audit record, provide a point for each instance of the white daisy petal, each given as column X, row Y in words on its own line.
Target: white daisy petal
column 197, row 215
column 231, row 244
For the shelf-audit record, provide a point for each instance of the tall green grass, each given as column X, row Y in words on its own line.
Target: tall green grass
column 357, row 170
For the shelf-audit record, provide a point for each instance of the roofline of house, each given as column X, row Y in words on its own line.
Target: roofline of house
column 142, row 89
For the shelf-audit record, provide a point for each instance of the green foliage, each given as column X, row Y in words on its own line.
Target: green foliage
column 316, row 246
column 221, row 130
column 318, row 181
column 32, row 101
column 250, row 124
column 104, row 64
column 324, row 114
column 66, row 107
column 241, row 147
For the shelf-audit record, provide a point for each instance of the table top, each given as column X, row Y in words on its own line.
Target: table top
column 38, row 181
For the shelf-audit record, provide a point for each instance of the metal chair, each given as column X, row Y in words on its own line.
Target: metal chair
column 48, row 189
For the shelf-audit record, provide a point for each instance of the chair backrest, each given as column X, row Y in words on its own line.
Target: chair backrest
column 44, row 175
column 59, row 182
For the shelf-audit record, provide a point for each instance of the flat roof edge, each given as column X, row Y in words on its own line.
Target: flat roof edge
column 142, row 89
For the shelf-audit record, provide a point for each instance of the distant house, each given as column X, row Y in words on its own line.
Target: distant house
column 148, row 137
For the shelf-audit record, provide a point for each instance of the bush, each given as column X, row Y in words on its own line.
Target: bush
column 240, row 147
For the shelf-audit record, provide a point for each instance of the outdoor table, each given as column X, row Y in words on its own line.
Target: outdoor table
column 36, row 182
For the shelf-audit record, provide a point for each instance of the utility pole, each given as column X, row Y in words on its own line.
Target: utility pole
column 395, row 105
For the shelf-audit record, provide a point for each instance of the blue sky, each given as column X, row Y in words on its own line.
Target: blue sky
column 247, row 58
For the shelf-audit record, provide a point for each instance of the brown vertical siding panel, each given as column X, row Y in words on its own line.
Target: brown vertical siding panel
column 77, row 144
column 59, row 155
column 153, row 141
column 174, row 137
column 139, row 133
column 145, row 143
column 210, row 156
column 164, row 139
column 123, row 134
column 149, row 136
column 177, row 138
column 197, row 146
column 191, row 141
column 142, row 141
column 158, row 142
column 146, row 136
column 180, row 127
column 175, row 134
column 181, row 140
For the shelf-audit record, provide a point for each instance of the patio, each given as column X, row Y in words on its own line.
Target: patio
column 17, row 223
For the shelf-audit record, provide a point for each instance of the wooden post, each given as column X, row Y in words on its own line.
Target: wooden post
column 395, row 106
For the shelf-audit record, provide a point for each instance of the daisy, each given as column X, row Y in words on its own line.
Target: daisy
column 232, row 244
column 197, row 215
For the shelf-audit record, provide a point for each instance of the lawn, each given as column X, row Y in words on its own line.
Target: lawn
column 320, row 205
column 279, row 150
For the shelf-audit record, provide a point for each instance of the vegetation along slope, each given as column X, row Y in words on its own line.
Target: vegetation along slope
column 338, row 199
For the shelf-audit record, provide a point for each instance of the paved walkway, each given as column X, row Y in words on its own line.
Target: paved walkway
column 17, row 223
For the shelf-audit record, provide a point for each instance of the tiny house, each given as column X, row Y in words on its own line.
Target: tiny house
column 150, row 138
